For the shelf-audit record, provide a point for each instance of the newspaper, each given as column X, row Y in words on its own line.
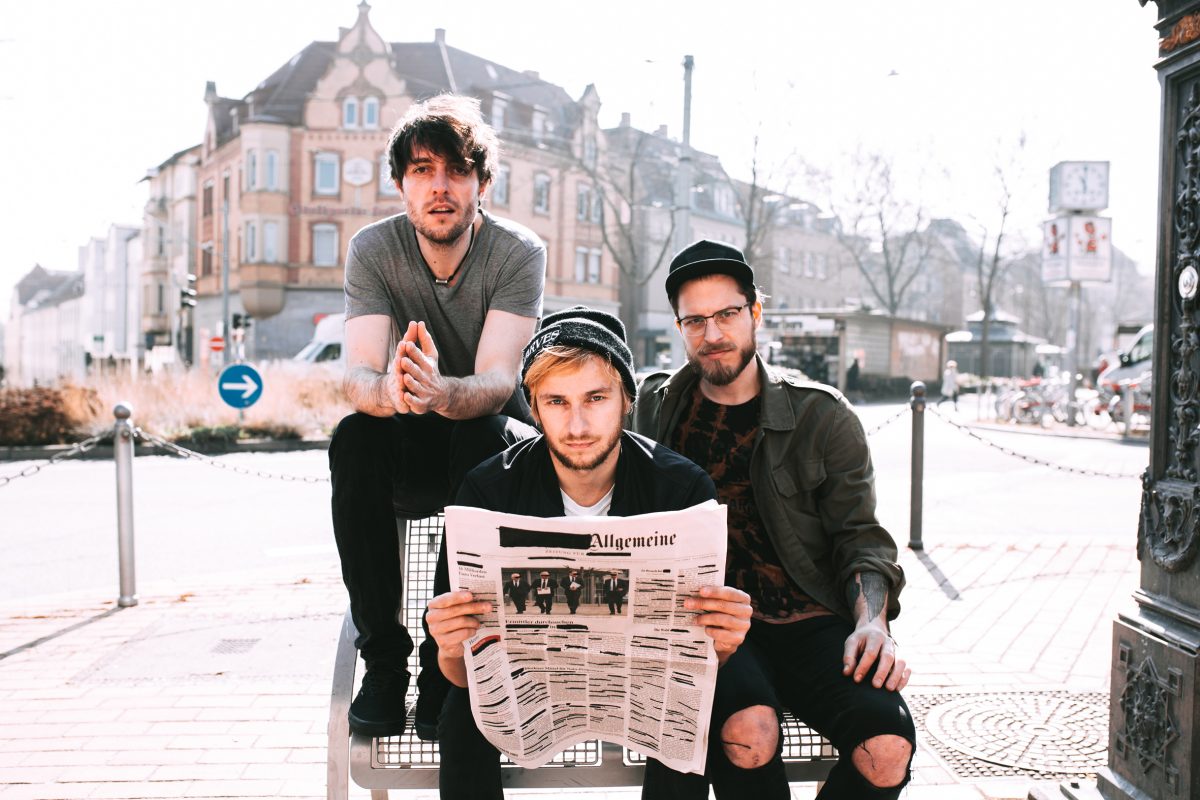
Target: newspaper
column 589, row 638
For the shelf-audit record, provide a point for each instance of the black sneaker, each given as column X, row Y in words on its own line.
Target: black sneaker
column 378, row 710
column 429, row 707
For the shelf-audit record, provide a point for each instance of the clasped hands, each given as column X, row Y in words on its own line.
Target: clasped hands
column 415, row 385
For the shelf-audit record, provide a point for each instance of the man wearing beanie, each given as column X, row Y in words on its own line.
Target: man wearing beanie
column 578, row 376
column 790, row 460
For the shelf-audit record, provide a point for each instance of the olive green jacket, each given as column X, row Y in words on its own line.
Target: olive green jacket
column 812, row 478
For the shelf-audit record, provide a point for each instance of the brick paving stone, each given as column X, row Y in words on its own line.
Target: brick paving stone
column 243, row 756
column 238, row 788
column 157, row 757
column 160, row 714
column 198, row 772
column 107, row 772
column 49, row 791
column 190, row 727
column 113, row 729
column 314, row 773
column 239, row 714
column 70, row 758
column 152, row 790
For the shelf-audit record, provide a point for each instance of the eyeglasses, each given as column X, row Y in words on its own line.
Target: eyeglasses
column 696, row 325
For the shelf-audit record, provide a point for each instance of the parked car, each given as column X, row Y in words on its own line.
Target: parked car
column 1129, row 365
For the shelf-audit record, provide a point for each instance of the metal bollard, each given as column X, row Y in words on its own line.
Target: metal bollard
column 1127, row 388
column 123, row 437
column 917, row 403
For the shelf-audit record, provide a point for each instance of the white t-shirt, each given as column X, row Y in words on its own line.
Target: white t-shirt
column 600, row 509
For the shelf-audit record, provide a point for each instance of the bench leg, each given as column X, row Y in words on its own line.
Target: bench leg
column 379, row 794
column 337, row 778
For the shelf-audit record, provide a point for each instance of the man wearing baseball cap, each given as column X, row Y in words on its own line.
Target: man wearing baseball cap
column 578, row 375
column 790, row 460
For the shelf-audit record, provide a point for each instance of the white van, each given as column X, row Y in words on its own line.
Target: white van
column 326, row 344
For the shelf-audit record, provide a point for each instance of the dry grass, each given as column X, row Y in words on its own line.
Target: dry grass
column 298, row 401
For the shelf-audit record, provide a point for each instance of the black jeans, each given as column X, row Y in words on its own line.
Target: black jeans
column 406, row 465
column 797, row 666
column 470, row 766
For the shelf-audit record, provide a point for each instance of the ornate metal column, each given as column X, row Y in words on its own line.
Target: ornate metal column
column 1154, row 750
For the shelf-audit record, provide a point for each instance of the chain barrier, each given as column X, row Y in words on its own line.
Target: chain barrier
column 77, row 449
column 1028, row 458
column 902, row 412
column 183, row 452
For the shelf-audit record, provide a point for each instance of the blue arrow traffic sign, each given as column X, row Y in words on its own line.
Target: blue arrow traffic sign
column 240, row 385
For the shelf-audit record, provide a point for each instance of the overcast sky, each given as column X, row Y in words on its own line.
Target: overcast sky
column 94, row 93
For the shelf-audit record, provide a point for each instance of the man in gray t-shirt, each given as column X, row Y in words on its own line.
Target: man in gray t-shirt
column 440, row 301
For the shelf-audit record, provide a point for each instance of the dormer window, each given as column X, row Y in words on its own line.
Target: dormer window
column 499, row 108
column 539, row 124
column 360, row 112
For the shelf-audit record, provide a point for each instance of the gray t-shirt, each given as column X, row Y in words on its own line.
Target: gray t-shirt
column 505, row 270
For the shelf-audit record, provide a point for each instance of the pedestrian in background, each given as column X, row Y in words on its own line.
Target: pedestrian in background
column 950, row 384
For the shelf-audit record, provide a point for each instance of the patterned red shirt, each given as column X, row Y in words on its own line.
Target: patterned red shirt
column 721, row 439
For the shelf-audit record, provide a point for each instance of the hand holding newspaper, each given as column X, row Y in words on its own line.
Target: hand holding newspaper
column 624, row 662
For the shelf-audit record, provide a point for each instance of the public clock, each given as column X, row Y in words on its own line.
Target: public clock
column 1079, row 186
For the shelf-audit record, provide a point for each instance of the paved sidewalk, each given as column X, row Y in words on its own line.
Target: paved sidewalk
column 219, row 687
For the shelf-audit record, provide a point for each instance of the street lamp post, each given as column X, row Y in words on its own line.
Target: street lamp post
column 225, row 332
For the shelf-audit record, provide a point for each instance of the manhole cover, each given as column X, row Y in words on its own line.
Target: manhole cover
column 234, row 646
column 1043, row 732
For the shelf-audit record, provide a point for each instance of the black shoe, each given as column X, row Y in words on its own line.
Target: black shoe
column 429, row 708
column 378, row 710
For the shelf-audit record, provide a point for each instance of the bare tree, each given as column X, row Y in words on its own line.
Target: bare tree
column 629, row 183
column 883, row 232
column 996, row 256
column 989, row 271
column 759, row 206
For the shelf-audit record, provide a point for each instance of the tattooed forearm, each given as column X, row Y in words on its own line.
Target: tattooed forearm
column 872, row 588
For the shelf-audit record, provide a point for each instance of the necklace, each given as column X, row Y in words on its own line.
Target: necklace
column 446, row 281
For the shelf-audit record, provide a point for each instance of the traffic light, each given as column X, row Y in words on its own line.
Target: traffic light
column 187, row 295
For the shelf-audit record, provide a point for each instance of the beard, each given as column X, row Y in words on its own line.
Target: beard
column 444, row 236
column 584, row 462
column 719, row 374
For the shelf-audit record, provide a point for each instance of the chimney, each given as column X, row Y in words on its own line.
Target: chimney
column 662, row 131
column 439, row 35
column 210, row 91
column 531, row 73
column 625, row 121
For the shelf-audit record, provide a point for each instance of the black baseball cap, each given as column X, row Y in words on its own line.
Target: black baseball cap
column 707, row 257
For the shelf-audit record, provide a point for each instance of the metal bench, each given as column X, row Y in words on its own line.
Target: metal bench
column 406, row 762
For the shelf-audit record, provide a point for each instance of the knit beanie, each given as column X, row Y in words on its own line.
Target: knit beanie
column 589, row 328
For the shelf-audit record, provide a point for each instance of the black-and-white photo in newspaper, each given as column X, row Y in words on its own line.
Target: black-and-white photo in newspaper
column 589, row 637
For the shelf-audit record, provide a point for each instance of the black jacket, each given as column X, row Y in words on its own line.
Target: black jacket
column 521, row 480
column 650, row 477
